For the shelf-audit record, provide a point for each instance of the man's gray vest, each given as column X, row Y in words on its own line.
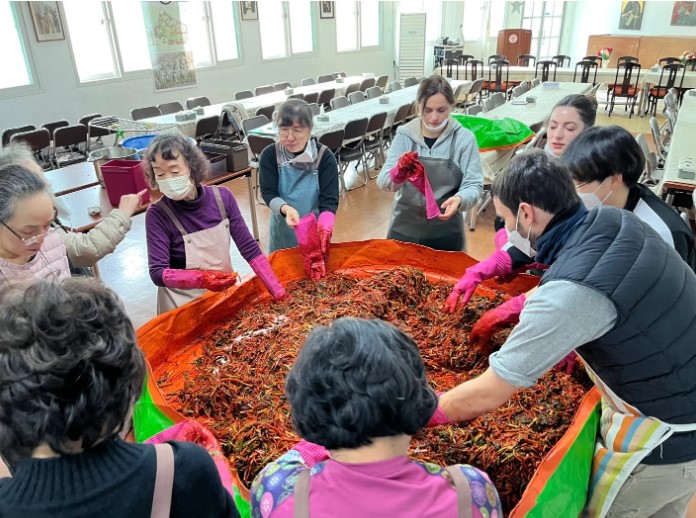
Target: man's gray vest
column 649, row 357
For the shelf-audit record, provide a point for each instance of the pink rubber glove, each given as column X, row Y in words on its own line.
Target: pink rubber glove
column 406, row 168
column 501, row 237
column 423, row 185
column 325, row 225
column 569, row 363
column 312, row 454
column 196, row 279
column 498, row 263
column 493, row 321
column 509, row 277
column 193, row 431
column 439, row 417
column 310, row 247
column 262, row 269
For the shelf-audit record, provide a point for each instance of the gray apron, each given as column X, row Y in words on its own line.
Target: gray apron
column 409, row 217
column 207, row 249
column 298, row 185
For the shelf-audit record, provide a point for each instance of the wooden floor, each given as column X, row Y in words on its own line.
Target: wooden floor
column 363, row 214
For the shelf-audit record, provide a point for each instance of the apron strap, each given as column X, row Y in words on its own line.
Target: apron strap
column 164, row 481
column 452, row 147
column 461, row 486
column 218, row 200
column 320, row 152
column 301, row 509
column 172, row 216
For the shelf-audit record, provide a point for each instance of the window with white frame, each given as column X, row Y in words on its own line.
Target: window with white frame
column 14, row 64
column 286, row 28
column 357, row 25
column 545, row 19
column 109, row 39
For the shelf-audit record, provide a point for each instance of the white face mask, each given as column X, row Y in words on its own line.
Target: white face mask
column 437, row 128
column 591, row 200
column 523, row 244
column 175, row 188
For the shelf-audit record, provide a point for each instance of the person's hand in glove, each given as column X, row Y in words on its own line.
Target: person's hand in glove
column 439, row 417
column 498, row 263
column 310, row 247
column 569, row 363
column 196, row 279
column 407, row 168
column 325, row 225
column 262, row 269
column 493, row 321
column 193, row 431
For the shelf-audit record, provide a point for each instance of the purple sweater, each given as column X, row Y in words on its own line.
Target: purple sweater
column 165, row 245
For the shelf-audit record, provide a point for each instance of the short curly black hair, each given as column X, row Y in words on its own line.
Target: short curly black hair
column 603, row 151
column 170, row 147
column 358, row 380
column 70, row 369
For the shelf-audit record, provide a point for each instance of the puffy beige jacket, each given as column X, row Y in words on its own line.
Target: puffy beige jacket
column 85, row 249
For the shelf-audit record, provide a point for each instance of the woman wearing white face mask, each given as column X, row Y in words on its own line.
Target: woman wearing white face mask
column 434, row 187
column 570, row 117
column 606, row 163
column 188, row 230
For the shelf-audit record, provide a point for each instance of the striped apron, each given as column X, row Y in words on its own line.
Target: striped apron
column 626, row 438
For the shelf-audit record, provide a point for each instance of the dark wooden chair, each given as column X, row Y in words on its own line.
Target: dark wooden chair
column 526, row 60
column 671, row 76
column 498, row 77
column 547, row 67
column 626, row 85
column 561, row 60
column 585, row 72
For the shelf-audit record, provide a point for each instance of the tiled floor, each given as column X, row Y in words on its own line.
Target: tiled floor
column 363, row 214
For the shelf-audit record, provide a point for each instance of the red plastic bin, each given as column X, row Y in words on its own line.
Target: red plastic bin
column 124, row 177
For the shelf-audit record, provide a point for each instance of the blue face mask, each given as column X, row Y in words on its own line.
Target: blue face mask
column 523, row 244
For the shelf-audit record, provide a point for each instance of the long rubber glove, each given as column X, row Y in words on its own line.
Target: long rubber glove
column 409, row 168
column 500, row 238
column 196, row 279
column 262, row 268
column 310, row 247
column 193, row 431
column 493, row 321
column 439, row 417
column 404, row 167
column 569, row 363
column 325, row 225
column 498, row 263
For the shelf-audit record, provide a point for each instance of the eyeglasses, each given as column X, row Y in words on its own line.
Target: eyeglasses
column 295, row 132
column 28, row 241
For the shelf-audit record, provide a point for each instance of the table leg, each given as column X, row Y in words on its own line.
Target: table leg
column 252, row 208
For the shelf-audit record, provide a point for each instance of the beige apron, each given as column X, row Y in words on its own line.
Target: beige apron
column 626, row 438
column 207, row 249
